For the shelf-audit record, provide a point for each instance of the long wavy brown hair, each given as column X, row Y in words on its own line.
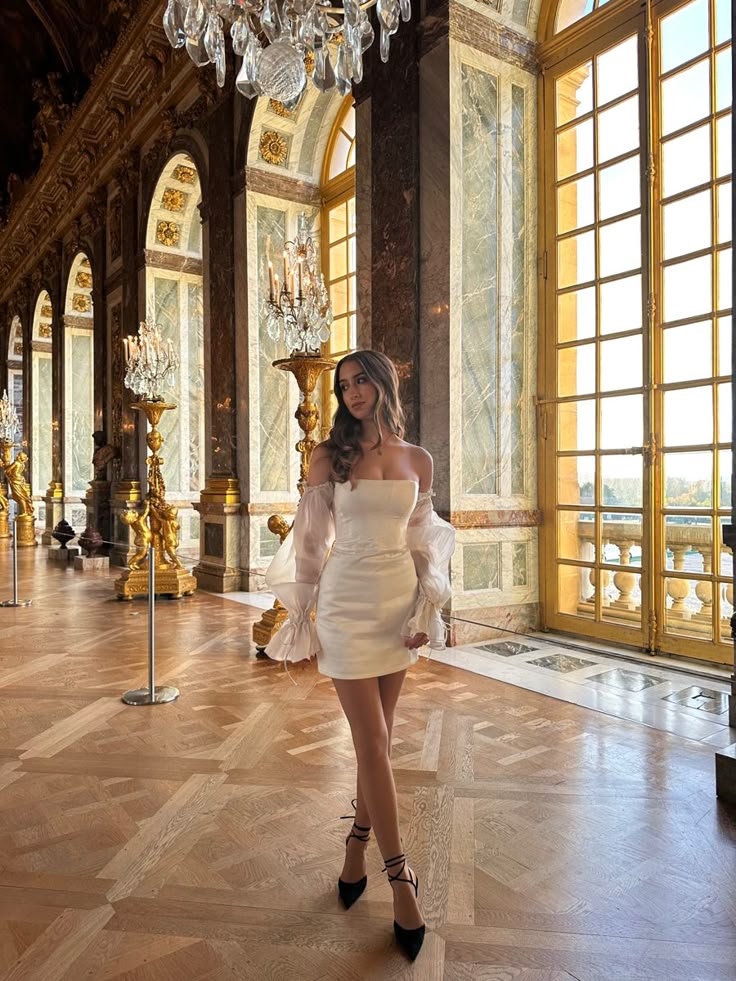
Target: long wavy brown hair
column 344, row 439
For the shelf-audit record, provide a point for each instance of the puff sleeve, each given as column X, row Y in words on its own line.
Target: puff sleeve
column 295, row 570
column 431, row 541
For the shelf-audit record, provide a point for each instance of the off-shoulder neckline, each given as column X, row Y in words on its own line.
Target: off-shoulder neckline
column 372, row 480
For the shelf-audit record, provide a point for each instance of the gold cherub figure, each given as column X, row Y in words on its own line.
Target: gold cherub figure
column 142, row 535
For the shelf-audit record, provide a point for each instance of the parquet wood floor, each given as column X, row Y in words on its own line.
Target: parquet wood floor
column 201, row 839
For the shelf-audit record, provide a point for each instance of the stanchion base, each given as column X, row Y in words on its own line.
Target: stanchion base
column 142, row 696
column 16, row 603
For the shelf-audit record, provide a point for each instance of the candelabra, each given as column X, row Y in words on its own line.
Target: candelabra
column 14, row 478
column 299, row 307
column 151, row 366
column 301, row 37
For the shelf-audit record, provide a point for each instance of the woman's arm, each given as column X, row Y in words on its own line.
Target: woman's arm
column 320, row 466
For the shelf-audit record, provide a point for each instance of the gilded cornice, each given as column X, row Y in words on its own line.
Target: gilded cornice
column 114, row 116
column 493, row 37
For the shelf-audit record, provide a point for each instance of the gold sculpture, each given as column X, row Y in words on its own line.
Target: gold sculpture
column 4, row 510
column 156, row 524
column 307, row 369
column 21, row 493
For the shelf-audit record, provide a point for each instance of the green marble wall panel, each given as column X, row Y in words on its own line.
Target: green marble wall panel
column 80, row 413
column 41, row 393
column 514, row 372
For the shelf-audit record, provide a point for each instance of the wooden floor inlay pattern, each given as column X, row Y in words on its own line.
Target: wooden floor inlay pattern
column 201, row 840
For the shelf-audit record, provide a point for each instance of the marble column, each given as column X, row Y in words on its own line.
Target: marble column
column 55, row 489
column 126, row 485
column 219, row 504
column 98, row 493
column 387, row 205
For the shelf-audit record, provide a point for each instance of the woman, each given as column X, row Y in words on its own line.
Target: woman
column 377, row 598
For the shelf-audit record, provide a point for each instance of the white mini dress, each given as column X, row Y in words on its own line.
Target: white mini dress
column 362, row 568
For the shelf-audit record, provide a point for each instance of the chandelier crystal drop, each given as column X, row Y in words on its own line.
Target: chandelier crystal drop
column 276, row 38
column 299, row 307
column 9, row 423
column 151, row 363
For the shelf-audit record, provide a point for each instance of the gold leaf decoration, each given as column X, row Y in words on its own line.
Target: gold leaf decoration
column 280, row 109
column 85, row 263
column 83, row 280
column 82, row 303
column 186, row 175
column 174, row 199
column 46, row 311
column 18, row 348
column 273, row 147
column 44, row 330
column 309, row 62
column 167, row 233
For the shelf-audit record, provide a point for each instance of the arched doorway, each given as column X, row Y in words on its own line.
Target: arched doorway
column 42, row 417
column 78, row 389
column 15, row 369
column 174, row 300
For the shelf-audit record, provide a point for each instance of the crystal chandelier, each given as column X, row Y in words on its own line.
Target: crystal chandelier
column 150, row 365
column 298, row 307
column 275, row 38
column 9, row 424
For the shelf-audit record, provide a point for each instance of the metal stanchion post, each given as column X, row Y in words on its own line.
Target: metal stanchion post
column 15, row 601
column 151, row 695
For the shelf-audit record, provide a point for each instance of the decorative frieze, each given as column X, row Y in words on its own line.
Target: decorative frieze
column 492, row 37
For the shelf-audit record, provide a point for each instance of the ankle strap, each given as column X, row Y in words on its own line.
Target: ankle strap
column 390, row 863
column 349, row 817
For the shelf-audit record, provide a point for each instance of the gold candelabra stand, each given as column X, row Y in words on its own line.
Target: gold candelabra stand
column 307, row 369
column 156, row 524
column 20, row 490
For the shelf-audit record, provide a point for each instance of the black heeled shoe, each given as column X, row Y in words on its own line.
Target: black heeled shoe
column 352, row 891
column 410, row 941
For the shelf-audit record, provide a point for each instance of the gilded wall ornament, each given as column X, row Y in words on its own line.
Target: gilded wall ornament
column 46, row 311
column 44, row 331
column 85, row 265
column 84, row 280
column 280, row 109
column 309, row 62
column 18, row 348
column 186, row 175
column 82, row 303
column 167, row 233
column 173, row 199
column 273, row 147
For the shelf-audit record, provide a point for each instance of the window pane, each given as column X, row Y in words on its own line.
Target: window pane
column 576, row 370
column 339, row 297
column 724, row 412
column 620, row 245
column 619, row 188
column 686, row 97
column 622, row 480
column 576, row 260
column 576, row 314
column 688, row 480
column 351, row 292
column 687, row 352
column 576, row 536
column 687, row 289
column 687, row 225
column 725, row 292
column 576, row 423
column 621, row 305
column 724, row 465
column 622, row 422
column 686, row 161
column 574, row 93
column 723, row 146
column 723, row 20
column 684, row 34
column 338, row 261
column 725, row 219
column 621, row 363
column 576, row 480
column 338, row 222
column 725, row 326
column 339, row 336
column 573, row 588
column 618, row 130
column 351, row 253
column 575, row 149
column 339, row 159
column 723, row 79
column 575, row 207
column 688, row 416
column 617, row 71
column 351, row 215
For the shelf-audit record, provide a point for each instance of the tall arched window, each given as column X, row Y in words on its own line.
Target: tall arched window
column 174, row 300
column 636, row 407
column 41, row 398
column 79, row 407
column 15, row 368
column 339, row 241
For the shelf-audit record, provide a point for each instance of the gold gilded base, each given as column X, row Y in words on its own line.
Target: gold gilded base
column 25, row 530
column 267, row 626
column 4, row 527
column 169, row 582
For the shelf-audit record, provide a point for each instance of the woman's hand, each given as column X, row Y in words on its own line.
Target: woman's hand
column 417, row 640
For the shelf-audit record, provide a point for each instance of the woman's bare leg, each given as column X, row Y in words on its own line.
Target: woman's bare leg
column 362, row 704
column 355, row 864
